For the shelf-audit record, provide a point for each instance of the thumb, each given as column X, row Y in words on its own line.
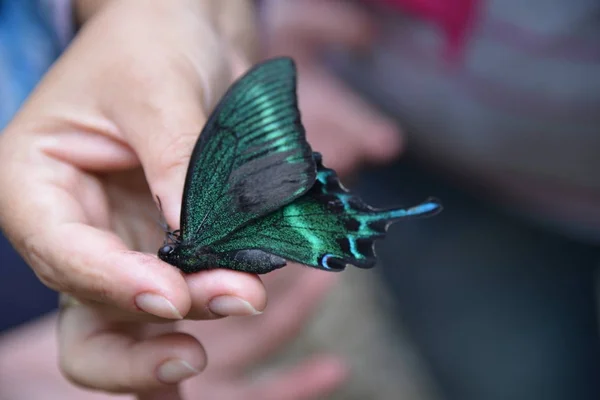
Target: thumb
column 164, row 126
column 170, row 77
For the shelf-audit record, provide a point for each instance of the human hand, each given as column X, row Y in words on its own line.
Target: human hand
column 234, row 345
column 348, row 131
column 111, row 124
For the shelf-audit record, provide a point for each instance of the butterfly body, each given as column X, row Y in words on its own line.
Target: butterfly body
column 256, row 195
column 190, row 259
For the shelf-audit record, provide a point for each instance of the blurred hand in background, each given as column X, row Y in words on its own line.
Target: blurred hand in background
column 341, row 125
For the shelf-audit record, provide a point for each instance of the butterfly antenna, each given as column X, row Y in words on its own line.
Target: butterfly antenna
column 170, row 236
column 162, row 221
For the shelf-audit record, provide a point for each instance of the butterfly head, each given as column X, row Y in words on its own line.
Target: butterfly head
column 168, row 252
column 185, row 256
column 178, row 255
column 165, row 251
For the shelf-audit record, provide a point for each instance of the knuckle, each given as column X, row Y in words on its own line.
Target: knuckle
column 44, row 270
column 71, row 368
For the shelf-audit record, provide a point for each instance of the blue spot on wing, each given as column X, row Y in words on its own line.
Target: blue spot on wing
column 332, row 263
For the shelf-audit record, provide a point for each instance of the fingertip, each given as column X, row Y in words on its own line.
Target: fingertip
column 387, row 141
column 154, row 286
column 333, row 370
column 175, row 370
column 227, row 305
column 329, row 374
column 175, row 356
column 214, row 294
column 157, row 305
column 380, row 138
column 326, row 372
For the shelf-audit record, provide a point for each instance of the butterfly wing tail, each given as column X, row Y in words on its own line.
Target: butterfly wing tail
column 428, row 208
column 379, row 220
column 372, row 224
column 362, row 224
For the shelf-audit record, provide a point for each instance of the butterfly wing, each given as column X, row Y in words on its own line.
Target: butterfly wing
column 251, row 158
column 327, row 228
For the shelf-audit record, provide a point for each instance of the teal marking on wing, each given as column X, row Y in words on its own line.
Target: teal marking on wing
column 311, row 232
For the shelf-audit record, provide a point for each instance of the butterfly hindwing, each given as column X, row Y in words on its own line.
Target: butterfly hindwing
column 327, row 228
column 251, row 158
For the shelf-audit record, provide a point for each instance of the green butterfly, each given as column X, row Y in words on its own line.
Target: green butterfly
column 256, row 195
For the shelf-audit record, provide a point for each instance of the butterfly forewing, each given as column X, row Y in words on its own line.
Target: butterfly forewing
column 252, row 156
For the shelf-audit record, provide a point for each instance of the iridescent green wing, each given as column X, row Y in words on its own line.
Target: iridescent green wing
column 327, row 228
column 251, row 158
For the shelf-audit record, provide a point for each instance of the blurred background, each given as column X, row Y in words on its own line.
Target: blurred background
column 498, row 105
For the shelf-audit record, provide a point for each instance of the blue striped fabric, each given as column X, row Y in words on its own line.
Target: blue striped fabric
column 32, row 35
column 29, row 44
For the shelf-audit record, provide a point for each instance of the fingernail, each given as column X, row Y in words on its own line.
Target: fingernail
column 174, row 371
column 231, row 306
column 157, row 305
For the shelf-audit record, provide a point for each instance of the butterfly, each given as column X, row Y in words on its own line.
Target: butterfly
column 257, row 196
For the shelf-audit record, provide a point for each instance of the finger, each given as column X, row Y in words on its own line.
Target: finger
column 214, row 294
column 96, row 265
column 312, row 379
column 341, row 150
column 350, row 130
column 115, row 357
column 219, row 292
column 318, row 23
column 378, row 136
column 355, row 136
